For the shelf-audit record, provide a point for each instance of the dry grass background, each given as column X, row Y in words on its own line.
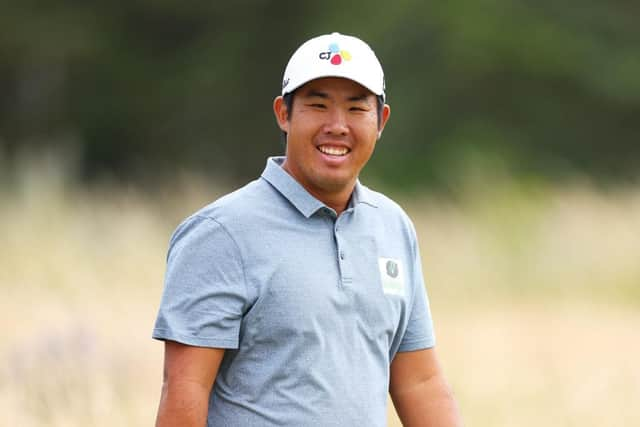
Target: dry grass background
column 535, row 293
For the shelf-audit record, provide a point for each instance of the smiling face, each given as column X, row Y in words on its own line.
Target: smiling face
column 331, row 133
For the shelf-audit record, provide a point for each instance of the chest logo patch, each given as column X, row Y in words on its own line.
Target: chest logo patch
column 391, row 276
column 392, row 269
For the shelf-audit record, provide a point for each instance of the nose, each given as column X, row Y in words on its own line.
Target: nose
column 336, row 123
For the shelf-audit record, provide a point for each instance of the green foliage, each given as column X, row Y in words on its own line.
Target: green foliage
column 146, row 87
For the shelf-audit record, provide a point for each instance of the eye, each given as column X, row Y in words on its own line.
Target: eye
column 318, row 105
column 357, row 109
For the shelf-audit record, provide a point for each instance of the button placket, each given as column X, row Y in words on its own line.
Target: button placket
column 341, row 251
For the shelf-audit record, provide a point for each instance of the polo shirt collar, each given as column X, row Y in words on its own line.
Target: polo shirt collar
column 293, row 191
column 362, row 194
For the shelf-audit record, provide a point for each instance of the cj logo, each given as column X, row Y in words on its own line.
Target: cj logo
column 335, row 55
column 392, row 269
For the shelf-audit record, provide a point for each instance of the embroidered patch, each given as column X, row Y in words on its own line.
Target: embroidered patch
column 391, row 276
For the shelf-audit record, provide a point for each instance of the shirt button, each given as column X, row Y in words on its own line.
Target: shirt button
column 341, row 254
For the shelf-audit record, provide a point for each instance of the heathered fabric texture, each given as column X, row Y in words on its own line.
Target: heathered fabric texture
column 311, row 307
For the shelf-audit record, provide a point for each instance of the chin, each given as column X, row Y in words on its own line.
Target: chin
column 334, row 184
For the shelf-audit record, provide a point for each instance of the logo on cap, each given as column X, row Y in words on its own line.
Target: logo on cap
column 335, row 55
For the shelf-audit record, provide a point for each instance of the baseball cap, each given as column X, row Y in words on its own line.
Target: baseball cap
column 334, row 55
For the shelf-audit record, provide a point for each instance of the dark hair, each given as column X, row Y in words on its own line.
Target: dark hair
column 287, row 100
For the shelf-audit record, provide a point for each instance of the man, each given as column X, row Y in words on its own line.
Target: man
column 298, row 300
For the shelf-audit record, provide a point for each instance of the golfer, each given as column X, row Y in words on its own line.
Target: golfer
column 298, row 300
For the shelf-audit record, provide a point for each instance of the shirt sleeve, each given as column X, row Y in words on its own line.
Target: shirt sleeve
column 204, row 294
column 419, row 333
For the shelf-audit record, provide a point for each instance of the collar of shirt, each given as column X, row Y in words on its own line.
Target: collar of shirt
column 299, row 197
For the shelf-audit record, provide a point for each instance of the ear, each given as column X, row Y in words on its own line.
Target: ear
column 386, row 112
column 281, row 113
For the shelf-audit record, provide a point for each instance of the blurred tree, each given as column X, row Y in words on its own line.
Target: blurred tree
column 144, row 87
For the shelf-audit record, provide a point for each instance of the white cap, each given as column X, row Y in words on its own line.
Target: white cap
column 334, row 55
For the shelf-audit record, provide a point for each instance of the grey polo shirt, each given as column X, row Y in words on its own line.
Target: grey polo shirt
column 311, row 307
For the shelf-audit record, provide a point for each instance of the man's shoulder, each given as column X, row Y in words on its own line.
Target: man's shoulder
column 388, row 207
column 231, row 210
column 391, row 213
column 238, row 203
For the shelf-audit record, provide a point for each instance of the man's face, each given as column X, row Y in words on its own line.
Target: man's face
column 331, row 133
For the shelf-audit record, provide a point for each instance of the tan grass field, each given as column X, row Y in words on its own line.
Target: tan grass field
column 535, row 294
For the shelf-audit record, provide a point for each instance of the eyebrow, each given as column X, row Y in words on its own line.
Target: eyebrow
column 362, row 97
column 317, row 94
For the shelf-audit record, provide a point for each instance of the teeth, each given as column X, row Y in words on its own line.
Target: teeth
column 334, row 151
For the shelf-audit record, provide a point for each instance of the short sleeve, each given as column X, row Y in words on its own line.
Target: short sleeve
column 204, row 294
column 419, row 333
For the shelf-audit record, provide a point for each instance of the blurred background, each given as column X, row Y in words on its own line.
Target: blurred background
column 514, row 144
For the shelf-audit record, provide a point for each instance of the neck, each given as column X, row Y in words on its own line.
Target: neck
column 335, row 198
column 337, row 201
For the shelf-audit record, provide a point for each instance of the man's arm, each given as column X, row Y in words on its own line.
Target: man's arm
column 189, row 374
column 419, row 391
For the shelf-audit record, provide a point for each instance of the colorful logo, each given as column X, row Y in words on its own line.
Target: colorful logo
column 335, row 55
